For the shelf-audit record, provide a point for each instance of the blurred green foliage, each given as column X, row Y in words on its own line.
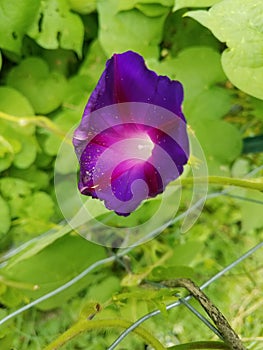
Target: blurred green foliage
column 243, row 59
column 52, row 54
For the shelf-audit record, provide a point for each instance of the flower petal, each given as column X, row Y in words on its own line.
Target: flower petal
column 127, row 79
column 132, row 139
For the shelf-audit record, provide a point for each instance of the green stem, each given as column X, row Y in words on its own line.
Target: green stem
column 253, row 184
column 39, row 120
column 18, row 285
column 88, row 325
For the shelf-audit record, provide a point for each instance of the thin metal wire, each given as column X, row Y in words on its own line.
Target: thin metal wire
column 57, row 290
column 13, row 251
column 105, row 261
column 224, row 192
column 202, row 318
column 95, row 265
column 252, row 200
column 191, row 308
column 254, row 171
column 179, row 302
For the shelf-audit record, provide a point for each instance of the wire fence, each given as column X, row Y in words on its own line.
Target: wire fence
column 185, row 300
column 122, row 252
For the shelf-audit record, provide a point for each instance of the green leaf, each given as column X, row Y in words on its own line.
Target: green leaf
column 66, row 189
column 152, row 10
column 13, row 102
column 200, row 82
column 65, row 119
column 39, row 206
column 33, row 72
column 104, row 290
column 241, row 73
column 207, row 105
column 183, row 254
column 141, row 215
column 220, row 141
column 128, row 5
column 34, row 213
column 181, row 32
column 14, row 188
column 78, row 90
column 38, row 179
column 56, row 26
column 5, row 220
column 60, row 60
column 161, row 273
column 195, row 74
column 144, row 38
column 193, row 3
column 28, row 153
column 24, row 145
column 240, row 168
column 0, row 60
column 257, row 106
column 6, row 153
column 18, row 142
column 11, row 298
column 55, row 265
column 83, row 6
column 76, row 96
column 37, row 245
column 66, row 161
column 238, row 23
column 32, row 210
column 15, row 19
column 251, row 213
column 93, row 63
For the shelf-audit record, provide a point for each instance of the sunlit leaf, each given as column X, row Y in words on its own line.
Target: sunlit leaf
column 7, row 152
column 238, row 23
column 56, row 26
column 15, row 19
column 15, row 103
column 93, row 63
column 5, row 220
column 220, row 141
column 183, row 254
column 171, row 272
column 34, row 72
column 117, row 26
column 38, row 179
column 128, row 5
column 54, row 266
column 104, row 290
column 18, row 142
column 251, row 211
column 83, row 6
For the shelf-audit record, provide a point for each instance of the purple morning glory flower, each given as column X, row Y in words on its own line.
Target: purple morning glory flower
column 132, row 139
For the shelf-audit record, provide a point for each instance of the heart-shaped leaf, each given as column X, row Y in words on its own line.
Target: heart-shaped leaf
column 44, row 89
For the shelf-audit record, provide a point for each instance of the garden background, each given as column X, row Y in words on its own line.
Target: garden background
column 52, row 53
